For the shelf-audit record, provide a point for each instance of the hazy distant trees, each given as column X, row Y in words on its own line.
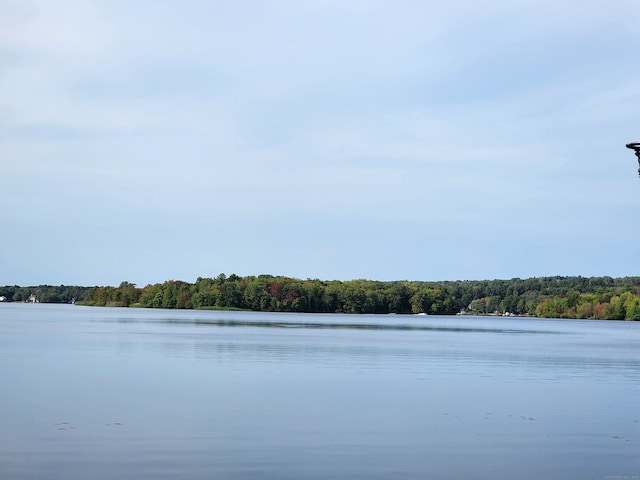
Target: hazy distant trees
column 44, row 293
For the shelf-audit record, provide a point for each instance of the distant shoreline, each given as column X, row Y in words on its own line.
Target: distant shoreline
column 603, row 298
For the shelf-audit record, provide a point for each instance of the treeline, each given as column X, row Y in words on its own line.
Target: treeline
column 554, row 297
column 282, row 294
column 603, row 298
column 44, row 293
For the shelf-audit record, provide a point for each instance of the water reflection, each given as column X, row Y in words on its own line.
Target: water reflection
column 337, row 325
column 441, row 351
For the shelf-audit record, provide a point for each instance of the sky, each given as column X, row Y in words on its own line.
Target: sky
column 145, row 140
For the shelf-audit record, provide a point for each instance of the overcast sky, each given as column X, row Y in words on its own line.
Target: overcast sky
column 154, row 140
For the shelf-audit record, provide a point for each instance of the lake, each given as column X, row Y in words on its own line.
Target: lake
column 114, row 393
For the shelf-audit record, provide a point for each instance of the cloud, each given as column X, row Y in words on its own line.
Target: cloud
column 326, row 130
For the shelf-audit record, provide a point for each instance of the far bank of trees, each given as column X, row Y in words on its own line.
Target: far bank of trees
column 553, row 297
column 44, row 293
column 282, row 294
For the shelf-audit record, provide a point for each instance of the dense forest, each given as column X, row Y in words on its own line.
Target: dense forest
column 44, row 293
column 552, row 297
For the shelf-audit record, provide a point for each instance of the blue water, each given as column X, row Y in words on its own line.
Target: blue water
column 107, row 393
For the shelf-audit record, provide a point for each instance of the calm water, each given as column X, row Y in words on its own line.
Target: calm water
column 151, row 394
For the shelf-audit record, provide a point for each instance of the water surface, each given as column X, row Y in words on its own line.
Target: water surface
column 108, row 393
